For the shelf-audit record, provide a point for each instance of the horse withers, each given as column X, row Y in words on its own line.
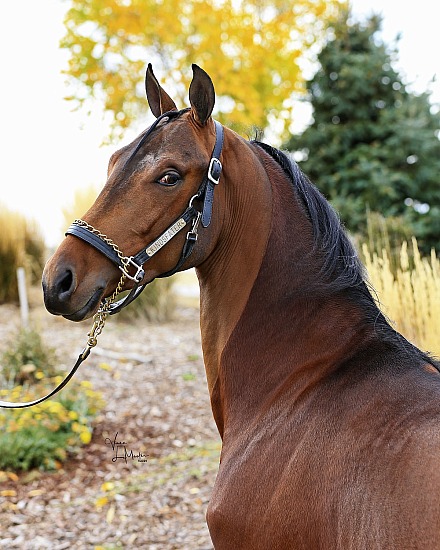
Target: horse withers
column 330, row 419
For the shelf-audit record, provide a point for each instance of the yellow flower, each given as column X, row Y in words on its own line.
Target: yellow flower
column 54, row 407
column 85, row 437
column 101, row 501
column 105, row 366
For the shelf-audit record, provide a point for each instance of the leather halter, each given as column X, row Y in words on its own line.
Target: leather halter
column 89, row 234
column 205, row 193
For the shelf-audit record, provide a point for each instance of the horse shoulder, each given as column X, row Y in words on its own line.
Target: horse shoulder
column 354, row 465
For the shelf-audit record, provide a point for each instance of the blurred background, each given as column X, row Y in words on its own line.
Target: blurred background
column 349, row 88
column 95, row 53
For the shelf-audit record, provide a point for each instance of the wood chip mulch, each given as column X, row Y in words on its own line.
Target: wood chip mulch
column 153, row 497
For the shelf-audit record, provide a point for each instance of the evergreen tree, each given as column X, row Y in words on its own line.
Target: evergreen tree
column 372, row 144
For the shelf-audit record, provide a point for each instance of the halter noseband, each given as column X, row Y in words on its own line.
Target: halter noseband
column 106, row 246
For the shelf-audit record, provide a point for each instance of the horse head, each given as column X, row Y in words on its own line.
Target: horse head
column 149, row 184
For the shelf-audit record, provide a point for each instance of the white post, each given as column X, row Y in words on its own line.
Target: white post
column 22, row 295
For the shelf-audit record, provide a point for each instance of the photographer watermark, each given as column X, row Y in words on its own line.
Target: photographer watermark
column 122, row 452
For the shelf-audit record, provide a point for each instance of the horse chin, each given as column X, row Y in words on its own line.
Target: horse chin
column 89, row 309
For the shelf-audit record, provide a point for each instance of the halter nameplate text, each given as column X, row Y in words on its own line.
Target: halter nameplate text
column 165, row 237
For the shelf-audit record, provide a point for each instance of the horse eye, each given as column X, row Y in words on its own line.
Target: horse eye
column 169, row 179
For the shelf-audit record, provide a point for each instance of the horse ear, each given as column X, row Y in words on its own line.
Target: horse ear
column 201, row 95
column 159, row 101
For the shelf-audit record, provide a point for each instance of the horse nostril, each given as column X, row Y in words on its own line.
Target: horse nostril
column 66, row 284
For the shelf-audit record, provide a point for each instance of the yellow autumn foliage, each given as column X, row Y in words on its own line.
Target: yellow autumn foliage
column 409, row 296
column 252, row 50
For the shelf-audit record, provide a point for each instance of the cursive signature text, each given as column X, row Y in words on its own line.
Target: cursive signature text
column 120, row 451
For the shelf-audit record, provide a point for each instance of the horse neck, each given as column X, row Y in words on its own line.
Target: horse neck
column 265, row 329
column 227, row 277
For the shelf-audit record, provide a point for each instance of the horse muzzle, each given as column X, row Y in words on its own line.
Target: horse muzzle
column 63, row 296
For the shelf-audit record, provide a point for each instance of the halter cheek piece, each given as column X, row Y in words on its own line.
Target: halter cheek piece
column 106, row 246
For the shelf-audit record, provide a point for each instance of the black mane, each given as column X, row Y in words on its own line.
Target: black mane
column 341, row 268
column 342, row 271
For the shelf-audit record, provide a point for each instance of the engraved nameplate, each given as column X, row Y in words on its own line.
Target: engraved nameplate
column 165, row 237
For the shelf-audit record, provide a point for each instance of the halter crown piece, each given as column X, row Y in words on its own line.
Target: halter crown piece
column 86, row 232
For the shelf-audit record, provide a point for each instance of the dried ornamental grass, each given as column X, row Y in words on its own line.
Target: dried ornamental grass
column 410, row 297
column 12, row 233
column 21, row 245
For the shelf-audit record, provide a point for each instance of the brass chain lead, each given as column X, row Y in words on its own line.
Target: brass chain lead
column 101, row 315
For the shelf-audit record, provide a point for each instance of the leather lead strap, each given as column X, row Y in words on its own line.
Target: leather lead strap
column 10, row 405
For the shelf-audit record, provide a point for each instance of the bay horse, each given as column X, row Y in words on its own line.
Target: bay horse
column 329, row 418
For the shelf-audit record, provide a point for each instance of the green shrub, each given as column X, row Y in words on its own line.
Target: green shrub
column 27, row 359
column 31, row 448
column 41, row 436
